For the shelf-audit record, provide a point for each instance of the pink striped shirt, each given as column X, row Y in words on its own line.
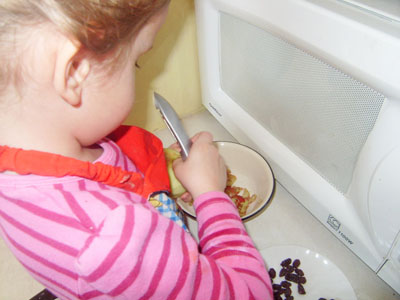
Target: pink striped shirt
column 85, row 240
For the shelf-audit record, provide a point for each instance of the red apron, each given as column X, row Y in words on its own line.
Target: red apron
column 142, row 147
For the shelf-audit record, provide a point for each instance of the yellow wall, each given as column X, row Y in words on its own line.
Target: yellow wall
column 170, row 68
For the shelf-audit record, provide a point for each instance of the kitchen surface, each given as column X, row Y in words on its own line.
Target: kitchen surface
column 284, row 222
column 285, row 227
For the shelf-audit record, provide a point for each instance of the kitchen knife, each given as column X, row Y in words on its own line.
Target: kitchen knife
column 174, row 124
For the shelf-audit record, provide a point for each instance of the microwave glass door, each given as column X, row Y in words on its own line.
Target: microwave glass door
column 320, row 113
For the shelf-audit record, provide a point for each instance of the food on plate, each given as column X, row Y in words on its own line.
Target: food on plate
column 272, row 273
column 239, row 195
column 292, row 275
column 177, row 188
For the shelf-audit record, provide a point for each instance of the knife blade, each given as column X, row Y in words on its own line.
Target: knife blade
column 174, row 124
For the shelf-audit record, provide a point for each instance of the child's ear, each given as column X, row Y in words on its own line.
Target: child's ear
column 70, row 73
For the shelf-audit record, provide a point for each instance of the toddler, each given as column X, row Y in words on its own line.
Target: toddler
column 77, row 188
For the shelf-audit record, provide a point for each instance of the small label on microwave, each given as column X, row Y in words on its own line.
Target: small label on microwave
column 214, row 109
column 333, row 222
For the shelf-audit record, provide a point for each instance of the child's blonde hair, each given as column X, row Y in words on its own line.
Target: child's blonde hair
column 100, row 26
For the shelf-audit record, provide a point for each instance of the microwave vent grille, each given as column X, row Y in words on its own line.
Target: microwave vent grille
column 321, row 114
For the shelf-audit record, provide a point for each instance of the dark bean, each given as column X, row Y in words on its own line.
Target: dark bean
column 288, row 292
column 272, row 273
column 283, row 272
column 300, row 289
column 296, row 263
column 277, row 297
column 302, row 280
column 292, row 278
column 286, row 262
column 322, row 299
column 276, row 287
column 299, row 272
column 281, row 291
column 291, row 273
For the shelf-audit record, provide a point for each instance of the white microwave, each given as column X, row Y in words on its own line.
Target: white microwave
column 314, row 86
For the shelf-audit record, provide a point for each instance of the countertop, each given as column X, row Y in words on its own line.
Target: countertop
column 284, row 222
column 287, row 222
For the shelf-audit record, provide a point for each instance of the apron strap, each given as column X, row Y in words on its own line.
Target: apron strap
column 142, row 147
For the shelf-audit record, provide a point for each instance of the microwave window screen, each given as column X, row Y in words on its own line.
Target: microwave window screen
column 321, row 114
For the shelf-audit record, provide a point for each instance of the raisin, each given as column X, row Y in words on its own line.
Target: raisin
column 288, row 292
column 292, row 274
column 300, row 289
column 299, row 272
column 272, row 273
column 292, row 278
column 290, row 269
column 277, row 297
column 276, row 287
column 296, row 263
column 286, row 262
column 302, row 280
column 283, row 272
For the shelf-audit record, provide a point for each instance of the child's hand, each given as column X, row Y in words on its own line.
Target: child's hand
column 204, row 170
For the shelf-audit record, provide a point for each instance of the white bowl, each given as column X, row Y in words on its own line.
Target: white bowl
column 252, row 171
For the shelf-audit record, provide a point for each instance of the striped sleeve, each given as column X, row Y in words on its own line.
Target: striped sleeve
column 138, row 254
column 237, row 268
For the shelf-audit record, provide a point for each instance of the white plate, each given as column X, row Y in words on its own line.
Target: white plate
column 324, row 278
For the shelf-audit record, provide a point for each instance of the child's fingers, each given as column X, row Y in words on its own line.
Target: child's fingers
column 175, row 146
column 177, row 162
column 203, row 136
column 186, row 197
column 204, row 170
